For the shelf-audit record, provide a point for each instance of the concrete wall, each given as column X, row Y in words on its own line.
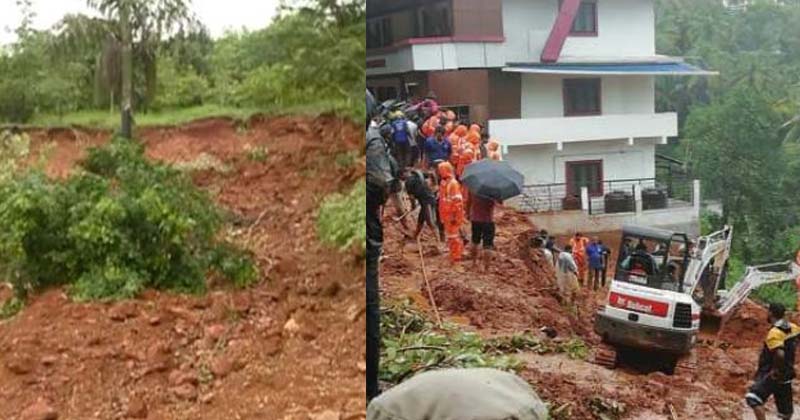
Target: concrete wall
column 568, row 222
column 542, row 95
column 543, row 164
column 626, row 28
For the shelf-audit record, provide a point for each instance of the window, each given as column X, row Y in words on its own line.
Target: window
column 588, row 173
column 585, row 22
column 379, row 32
column 581, row 97
column 434, row 20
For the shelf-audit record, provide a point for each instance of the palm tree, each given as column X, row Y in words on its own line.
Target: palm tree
column 129, row 31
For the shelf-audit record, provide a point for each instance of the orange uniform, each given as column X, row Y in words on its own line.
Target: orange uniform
column 474, row 140
column 579, row 254
column 451, row 210
column 457, row 144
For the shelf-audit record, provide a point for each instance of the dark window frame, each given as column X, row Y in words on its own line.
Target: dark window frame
column 593, row 33
column 384, row 28
column 569, row 176
column 568, row 109
column 436, row 6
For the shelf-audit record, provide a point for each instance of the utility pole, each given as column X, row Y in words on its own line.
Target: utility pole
column 126, row 126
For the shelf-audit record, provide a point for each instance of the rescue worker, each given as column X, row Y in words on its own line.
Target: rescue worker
column 566, row 276
column 451, row 210
column 493, row 148
column 579, row 243
column 473, row 140
column 775, row 366
column 418, row 187
column 467, row 156
column 457, row 140
column 437, row 149
column 401, row 141
column 594, row 252
column 481, row 215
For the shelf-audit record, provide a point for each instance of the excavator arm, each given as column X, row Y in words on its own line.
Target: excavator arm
column 755, row 277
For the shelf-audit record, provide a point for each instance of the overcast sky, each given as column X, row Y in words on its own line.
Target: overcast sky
column 217, row 15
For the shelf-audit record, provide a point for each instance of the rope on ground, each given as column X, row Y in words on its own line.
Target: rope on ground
column 428, row 285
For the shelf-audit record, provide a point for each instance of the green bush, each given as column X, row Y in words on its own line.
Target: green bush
column 341, row 218
column 119, row 226
column 178, row 88
column 17, row 100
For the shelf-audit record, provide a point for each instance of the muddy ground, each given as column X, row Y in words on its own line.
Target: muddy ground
column 517, row 295
column 291, row 347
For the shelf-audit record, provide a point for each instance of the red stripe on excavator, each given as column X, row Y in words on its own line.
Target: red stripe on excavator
column 637, row 304
column 560, row 31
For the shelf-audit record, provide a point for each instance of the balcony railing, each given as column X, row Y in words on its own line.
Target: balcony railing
column 618, row 197
column 557, row 130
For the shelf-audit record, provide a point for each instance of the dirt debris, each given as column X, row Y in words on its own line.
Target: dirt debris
column 517, row 295
column 228, row 346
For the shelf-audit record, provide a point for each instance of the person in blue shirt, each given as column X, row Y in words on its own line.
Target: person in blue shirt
column 401, row 141
column 595, row 253
column 437, row 149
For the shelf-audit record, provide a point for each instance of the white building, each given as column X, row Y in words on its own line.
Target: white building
column 567, row 86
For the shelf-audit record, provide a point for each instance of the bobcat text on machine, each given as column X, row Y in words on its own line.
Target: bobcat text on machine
column 663, row 283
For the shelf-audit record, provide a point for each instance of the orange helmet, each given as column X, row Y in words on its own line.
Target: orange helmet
column 461, row 130
column 445, row 170
column 475, row 127
column 450, row 115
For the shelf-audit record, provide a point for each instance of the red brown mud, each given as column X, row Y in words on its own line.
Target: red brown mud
column 517, row 295
column 291, row 347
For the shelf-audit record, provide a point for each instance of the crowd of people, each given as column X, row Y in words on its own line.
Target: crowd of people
column 421, row 152
column 431, row 148
column 582, row 262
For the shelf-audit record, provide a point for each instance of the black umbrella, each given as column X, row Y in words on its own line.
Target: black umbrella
column 493, row 179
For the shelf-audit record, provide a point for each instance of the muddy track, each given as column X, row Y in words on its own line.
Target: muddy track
column 517, row 295
column 291, row 347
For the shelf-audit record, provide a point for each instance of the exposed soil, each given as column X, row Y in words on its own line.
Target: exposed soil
column 517, row 295
column 290, row 347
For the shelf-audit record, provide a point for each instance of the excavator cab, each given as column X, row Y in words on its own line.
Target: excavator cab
column 652, row 258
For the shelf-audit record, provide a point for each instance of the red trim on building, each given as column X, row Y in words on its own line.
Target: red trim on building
column 568, row 177
column 587, row 34
column 377, row 63
column 435, row 40
column 560, row 31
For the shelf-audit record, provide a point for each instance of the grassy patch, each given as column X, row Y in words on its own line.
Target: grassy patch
column 341, row 219
column 11, row 307
column 104, row 119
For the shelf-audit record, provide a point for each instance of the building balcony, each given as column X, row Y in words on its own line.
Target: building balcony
column 436, row 53
column 560, row 130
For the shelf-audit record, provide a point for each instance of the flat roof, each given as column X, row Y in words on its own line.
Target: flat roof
column 646, row 231
column 676, row 68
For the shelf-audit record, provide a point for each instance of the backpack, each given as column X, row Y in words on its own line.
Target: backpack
column 400, row 131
